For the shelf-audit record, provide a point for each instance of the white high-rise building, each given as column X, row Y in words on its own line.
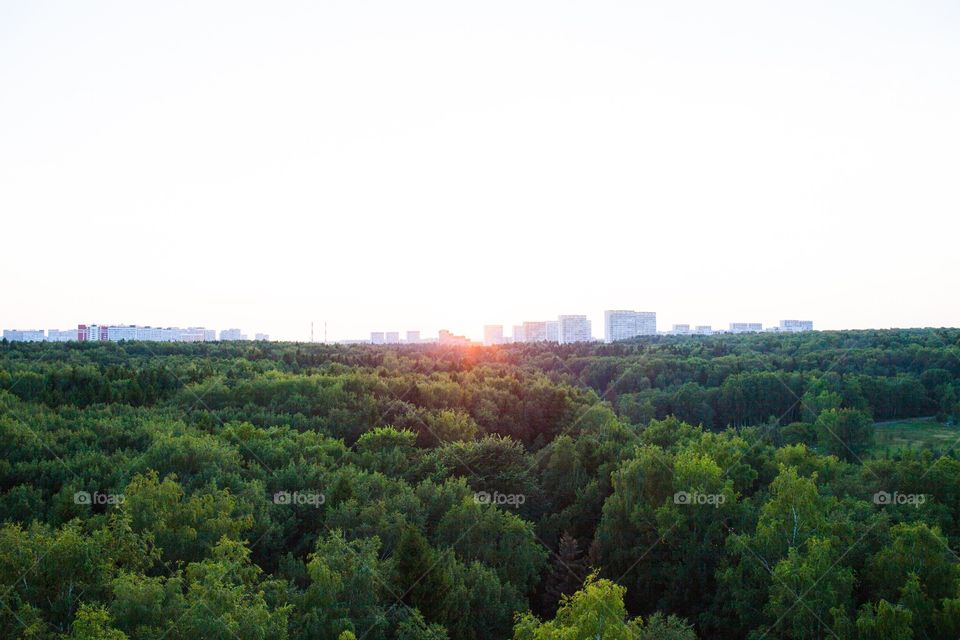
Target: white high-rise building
column 680, row 330
column 534, row 331
column 703, row 330
column 155, row 334
column 376, row 337
column 262, row 337
column 191, row 334
column 492, row 334
column 25, row 335
column 518, row 334
column 447, row 338
column 745, row 327
column 227, row 334
column 116, row 334
column 796, row 326
column 623, row 325
column 413, row 337
column 391, row 337
column 66, row 335
column 553, row 331
column 574, row 329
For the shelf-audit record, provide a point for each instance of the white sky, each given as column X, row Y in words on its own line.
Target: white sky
column 425, row 165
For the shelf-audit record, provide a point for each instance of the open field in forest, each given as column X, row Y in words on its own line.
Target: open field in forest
column 914, row 433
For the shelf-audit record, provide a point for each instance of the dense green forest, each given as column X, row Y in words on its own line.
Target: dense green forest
column 668, row 488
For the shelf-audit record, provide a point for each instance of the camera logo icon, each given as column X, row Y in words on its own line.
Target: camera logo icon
column 884, row 498
column 299, row 498
column 97, row 498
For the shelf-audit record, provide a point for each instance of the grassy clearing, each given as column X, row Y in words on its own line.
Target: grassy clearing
column 916, row 434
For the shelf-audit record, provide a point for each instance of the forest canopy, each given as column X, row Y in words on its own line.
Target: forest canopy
column 672, row 487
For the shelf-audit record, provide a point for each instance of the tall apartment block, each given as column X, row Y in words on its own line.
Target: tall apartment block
column 553, row 331
column 65, row 335
column 116, row 333
column 447, row 338
column 622, row 324
column 745, row 327
column 413, row 337
column 534, row 331
column 391, row 337
column 492, row 334
column 28, row 335
column 574, row 329
column 91, row 333
column 518, row 334
column 796, row 326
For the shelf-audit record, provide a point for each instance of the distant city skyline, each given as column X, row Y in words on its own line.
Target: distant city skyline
column 430, row 326
column 619, row 324
column 227, row 164
column 127, row 332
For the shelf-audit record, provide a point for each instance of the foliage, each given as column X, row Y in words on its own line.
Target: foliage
column 729, row 486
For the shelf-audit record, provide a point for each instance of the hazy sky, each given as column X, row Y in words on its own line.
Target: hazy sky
column 404, row 165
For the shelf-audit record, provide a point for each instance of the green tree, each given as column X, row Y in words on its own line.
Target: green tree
column 344, row 588
column 915, row 549
column 419, row 576
column 225, row 600
column 884, row 621
column 567, row 572
column 845, row 433
column 806, row 585
column 595, row 611
column 93, row 623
